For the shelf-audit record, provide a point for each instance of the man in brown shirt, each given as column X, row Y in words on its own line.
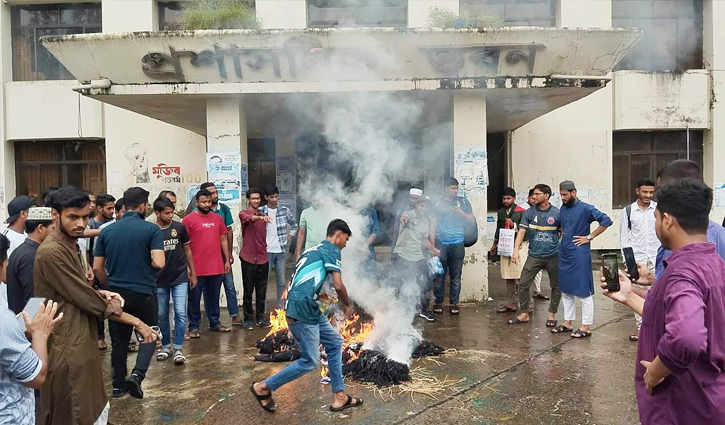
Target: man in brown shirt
column 74, row 392
column 255, row 261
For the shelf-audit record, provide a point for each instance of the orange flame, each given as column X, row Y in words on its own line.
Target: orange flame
column 278, row 320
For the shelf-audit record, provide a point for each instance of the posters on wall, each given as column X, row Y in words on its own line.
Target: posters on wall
column 471, row 169
column 229, row 175
column 286, row 182
column 719, row 195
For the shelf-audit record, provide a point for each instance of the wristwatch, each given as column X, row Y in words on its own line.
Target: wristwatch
column 589, row 237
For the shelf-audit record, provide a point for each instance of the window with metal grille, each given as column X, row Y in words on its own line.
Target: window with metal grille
column 357, row 13
column 32, row 61
column 641, row 154
column 40, row 164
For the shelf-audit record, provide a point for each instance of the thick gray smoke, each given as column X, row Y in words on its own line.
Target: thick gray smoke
column 375, row 137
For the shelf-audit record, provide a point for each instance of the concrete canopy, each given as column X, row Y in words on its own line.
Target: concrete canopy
column 524, row 72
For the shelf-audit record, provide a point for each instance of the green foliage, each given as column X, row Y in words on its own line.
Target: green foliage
column 441, row 17
column 218, row 14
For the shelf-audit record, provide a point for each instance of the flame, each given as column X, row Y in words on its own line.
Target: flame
column 278, row 320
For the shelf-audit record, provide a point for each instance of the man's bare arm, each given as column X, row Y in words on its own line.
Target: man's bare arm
column 99, row 268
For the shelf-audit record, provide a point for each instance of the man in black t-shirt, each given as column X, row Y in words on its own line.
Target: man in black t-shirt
column 174, row 280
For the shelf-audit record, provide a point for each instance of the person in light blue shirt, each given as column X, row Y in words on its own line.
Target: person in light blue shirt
column 23, row 366
column 309, row 326
column 681, row 169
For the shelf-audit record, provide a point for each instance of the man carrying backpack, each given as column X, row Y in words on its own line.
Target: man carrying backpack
column 451, row 217
column 637, row 231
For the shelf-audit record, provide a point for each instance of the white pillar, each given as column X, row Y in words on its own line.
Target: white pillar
column 226, row 131
column 282, row 14
column 7, row 153
column 130, row 15
column 419, row 10
column 469, row 132
column 714, row 58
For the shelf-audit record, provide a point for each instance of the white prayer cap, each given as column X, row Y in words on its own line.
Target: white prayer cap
column 40, row 213
column 416, row 192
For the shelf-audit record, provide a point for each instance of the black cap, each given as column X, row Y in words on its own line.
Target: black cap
column 18, row 205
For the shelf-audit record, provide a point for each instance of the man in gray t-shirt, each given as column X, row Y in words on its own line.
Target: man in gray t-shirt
column 408, row 256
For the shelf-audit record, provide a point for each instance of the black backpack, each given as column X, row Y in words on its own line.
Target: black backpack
column 470, row 230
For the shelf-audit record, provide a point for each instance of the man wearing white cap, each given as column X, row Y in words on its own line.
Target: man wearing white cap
column 413, row 198
column 38, row 226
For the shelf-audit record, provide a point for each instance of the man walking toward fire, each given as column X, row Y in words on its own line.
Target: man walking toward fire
column 309, row 326
column 575, row 258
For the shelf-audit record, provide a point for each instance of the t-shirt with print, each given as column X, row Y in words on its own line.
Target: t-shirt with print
column 451, row 226
column 205, row 232
column 542, row 230
column 18, row 365
column 174, row 273
column 310, row 274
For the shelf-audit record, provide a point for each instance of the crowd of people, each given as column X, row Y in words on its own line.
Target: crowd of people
column 74, row 253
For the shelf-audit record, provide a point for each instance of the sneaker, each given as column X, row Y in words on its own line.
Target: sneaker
column 264, row 323
column 163, row 354
column 248, row 325
column 134, row 386
column 119, row 392
column 179, row 357
column 427, row 315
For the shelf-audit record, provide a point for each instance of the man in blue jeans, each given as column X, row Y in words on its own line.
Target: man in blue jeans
column 229, row 289
column 308, row 325
column 279, row 229
column 174, row 280
column 448, row 220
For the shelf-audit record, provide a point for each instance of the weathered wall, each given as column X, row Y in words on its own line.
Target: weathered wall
column 661, row 100
column 277, row 14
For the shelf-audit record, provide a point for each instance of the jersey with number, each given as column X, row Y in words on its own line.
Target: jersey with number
column 312, row 270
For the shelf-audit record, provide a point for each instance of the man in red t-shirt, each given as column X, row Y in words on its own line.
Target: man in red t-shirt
column 207, row 232
column 255, row 261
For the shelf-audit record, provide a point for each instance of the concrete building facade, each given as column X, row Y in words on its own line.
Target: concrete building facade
column 618, row 122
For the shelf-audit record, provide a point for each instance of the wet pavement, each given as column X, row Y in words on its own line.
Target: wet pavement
column 511, row 375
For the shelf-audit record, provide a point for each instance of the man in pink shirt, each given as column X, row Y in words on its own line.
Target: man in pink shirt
column 207, row 232
column 255, row 261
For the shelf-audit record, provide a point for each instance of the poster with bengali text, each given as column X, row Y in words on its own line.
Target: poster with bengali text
column 225, row 171
column 471, row 169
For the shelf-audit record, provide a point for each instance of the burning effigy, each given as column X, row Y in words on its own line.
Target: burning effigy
column 359, row 363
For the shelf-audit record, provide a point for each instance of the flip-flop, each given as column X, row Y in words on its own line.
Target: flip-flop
column 516, row 321
column 561, row 329
column 578, row 334
column 222, row 329
column 270, row 407
column 551, row 323
column 633, row 338
column 504, row 309
column 348, row 404
column 541, row 296
column 194, row 334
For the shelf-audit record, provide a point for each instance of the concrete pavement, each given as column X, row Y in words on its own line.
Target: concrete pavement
column 513, row 375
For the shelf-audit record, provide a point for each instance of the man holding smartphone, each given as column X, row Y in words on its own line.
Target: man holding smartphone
column 637, row 231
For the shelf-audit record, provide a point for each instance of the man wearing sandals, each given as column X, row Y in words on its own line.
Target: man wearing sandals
column 307, row 323
column 575, row 258
column 174, row 280
column 509, row 217
column 543, row 225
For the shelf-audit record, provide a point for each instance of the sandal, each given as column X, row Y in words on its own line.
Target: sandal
column 187, row 337
column 270, row 407
column 455, row 309
column 504, row 309
column 438, row 309
column 561, row 329
column 221, row 329
column 541, row 296
column 551, row 323
column 194, row 335
column 517, row 321
column 579, row 333
column 348, row 404
column 163, row 354
column 634, row 338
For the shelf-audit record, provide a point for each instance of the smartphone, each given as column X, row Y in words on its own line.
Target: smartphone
column 156, row 329
column 32, row 309
column 611, row 272
column 631, row 263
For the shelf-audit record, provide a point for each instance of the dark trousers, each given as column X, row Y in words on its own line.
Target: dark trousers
column 145, row 308
column 452, row 260
column 210, row 287
column 406, row 271
column 531, row 268
column 254, row 279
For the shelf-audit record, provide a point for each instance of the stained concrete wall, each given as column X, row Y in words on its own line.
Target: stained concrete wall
column 661, row 100
column 278, row 14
